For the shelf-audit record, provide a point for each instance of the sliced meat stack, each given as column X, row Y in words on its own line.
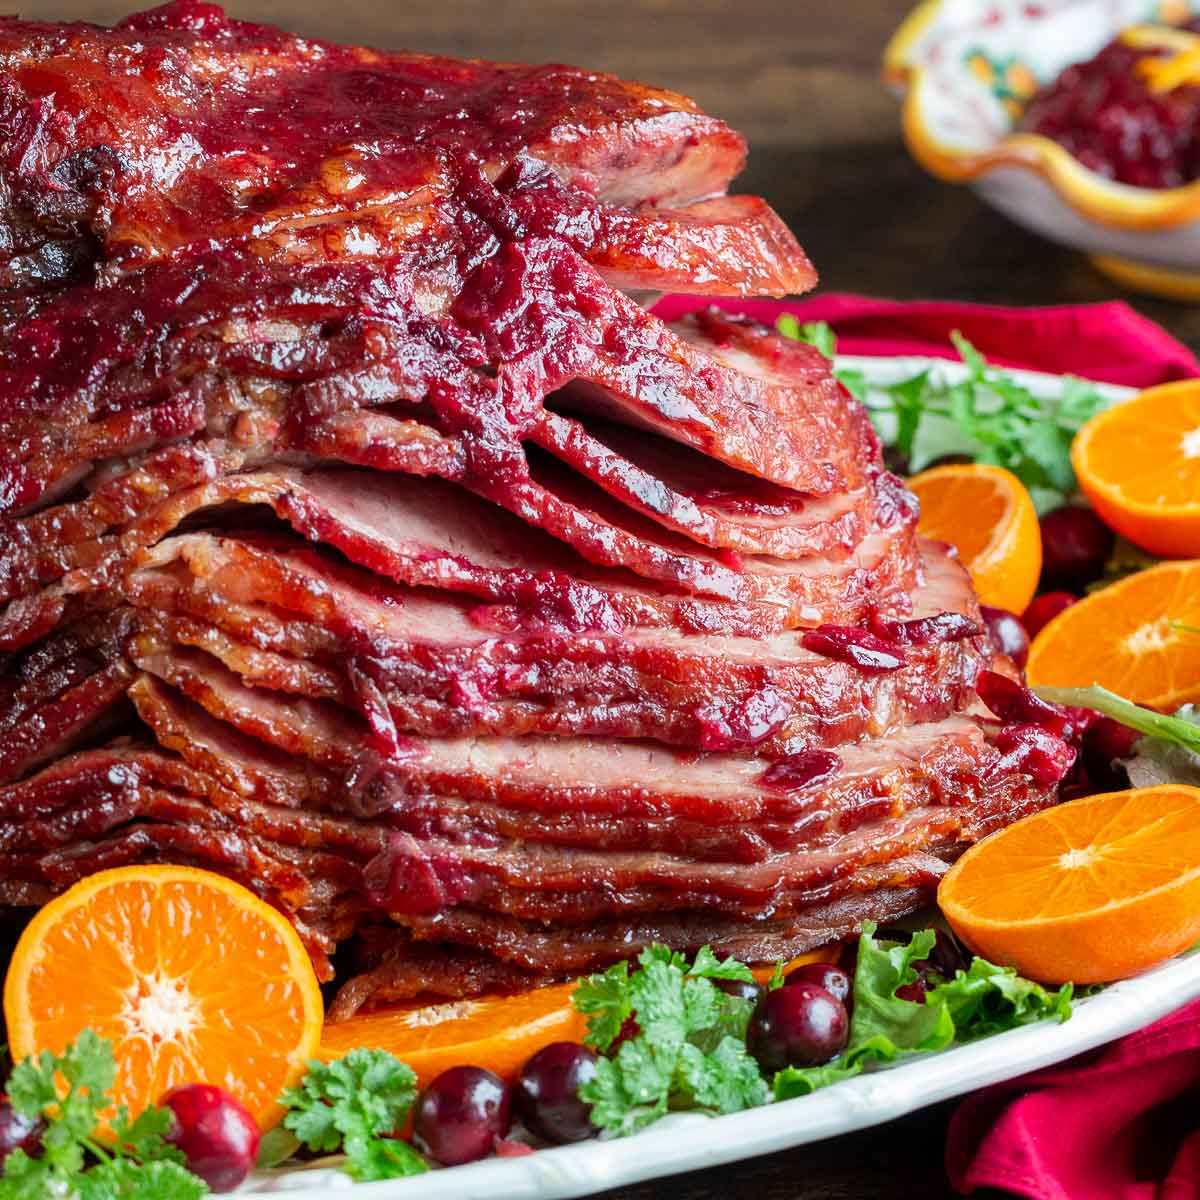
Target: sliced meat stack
column 365, row 538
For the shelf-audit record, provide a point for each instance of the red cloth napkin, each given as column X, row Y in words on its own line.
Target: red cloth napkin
column 1108, row 342
column 1121, row 1123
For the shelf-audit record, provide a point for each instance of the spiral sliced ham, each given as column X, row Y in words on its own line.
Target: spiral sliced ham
column 364, row 539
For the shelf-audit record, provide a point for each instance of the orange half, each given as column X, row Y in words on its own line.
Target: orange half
column 190, row 976
column 1090, row 891
column 1139, row 465
column 987, row 515
column 1136, row 637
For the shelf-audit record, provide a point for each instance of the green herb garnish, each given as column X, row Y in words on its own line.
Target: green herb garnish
column 690, row 1047
column 356, row 1104
column 988, row 416
column 138, row 1163
column 884, row 1027
column 1183, row 729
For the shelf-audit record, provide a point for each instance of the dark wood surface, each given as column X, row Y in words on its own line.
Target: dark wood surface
column 799, row 79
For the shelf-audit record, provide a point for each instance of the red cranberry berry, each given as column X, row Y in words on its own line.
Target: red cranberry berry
column 547, row 1093
column 1015, row 704
column 867, row 651
column 217, row 1135
column 744, row 989
column 829, row 976
column 926, row 631
column 18, row 1132
column 797, row 771
column 1007, row 633
column 1036, row 752
column 797, row 1026
column 1075, row 546
column 1044, row 608
column 461, row 1114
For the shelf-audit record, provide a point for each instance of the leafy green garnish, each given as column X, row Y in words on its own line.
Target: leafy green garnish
column 689, row 1050
column 988, row 416
column 356, row 1104
column 137, row 1163
column 1183, row 729
column 1170, row 750
column 983, row 1000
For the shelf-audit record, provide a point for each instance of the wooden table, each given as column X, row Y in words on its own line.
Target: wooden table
column 799, row 79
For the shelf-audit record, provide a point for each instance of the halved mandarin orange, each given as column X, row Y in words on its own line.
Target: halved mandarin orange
column 496, row 1032
column 1135, row 637
column 987, row 515
column 1139, row 465
column 192, row 978
column 1091, row 891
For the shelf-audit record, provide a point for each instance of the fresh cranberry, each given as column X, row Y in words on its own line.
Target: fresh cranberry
column 1007, row 633
column 865, row 650
column 547, row 1093
column 1036, row 752
column 1076, row 544
column 797, row 1026
column 926, row 631
column 829, row 976
column 1105, row 745
column 744, row 989
column 1016, row 704
column 18, row 1132
column 801, row 770
column 217, row 1135
column 461, row 1114
column 1044, row 608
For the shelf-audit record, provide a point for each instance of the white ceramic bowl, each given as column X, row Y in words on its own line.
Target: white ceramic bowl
column 966, row 68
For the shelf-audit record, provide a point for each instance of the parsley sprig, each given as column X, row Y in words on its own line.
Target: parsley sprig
column 689, row 1050
column 988, row 416
column 356, row 1104
column 138, row 1162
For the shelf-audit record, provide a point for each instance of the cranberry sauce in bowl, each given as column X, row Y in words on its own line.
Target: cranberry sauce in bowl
column 1130, row 113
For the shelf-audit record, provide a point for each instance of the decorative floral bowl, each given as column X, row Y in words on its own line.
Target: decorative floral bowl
column 966, row 69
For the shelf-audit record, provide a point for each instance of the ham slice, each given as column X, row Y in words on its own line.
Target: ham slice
column 364, row 539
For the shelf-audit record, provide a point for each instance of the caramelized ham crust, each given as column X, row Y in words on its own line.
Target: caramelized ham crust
column 363, row 538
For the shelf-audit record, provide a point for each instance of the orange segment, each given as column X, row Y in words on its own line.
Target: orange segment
column 987, row 515
column 1139, row 465
column 1091, row 891
column 1129, row 638
column 190, row 976
column 496, row 1032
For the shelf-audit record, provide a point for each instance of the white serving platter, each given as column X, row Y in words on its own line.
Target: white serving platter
column 690, row 1142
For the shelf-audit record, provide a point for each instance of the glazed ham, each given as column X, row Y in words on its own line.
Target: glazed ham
column 364, row 538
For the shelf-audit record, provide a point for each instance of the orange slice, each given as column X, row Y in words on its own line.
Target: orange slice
column 496, row 1032
column 190, row 976
column 1091, row 891
column 1134, row 637
column 987, row 515
column 1139, row 465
